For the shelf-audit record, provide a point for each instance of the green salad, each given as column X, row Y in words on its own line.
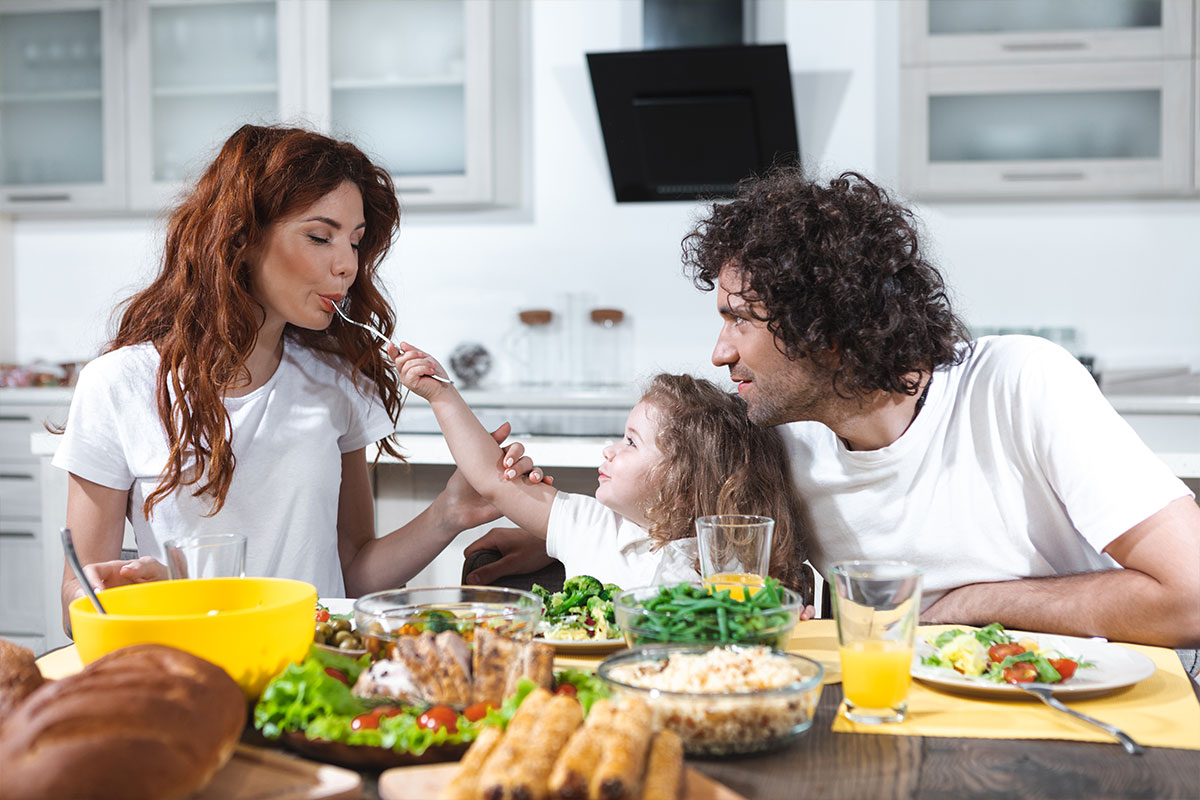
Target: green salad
column 582, row 611
column 314, row 697
column 991, row 653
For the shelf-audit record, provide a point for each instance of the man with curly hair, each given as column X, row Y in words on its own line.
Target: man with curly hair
column 996, row 465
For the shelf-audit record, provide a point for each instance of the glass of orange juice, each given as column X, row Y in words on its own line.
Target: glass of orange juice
column 735, row 551
column 876, row 605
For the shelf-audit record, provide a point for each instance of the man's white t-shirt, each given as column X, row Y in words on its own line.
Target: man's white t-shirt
column 591, row 539
column 288, row 438
column 1016, row 467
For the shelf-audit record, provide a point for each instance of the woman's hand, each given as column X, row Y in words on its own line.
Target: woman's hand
column 107, row 574
column 415, row 367
column 520, row 554
column 467, row 506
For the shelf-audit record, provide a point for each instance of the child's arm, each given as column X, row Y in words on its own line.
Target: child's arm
column 473, row 448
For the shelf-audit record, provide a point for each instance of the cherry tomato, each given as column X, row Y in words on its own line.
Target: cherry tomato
column 999, row 652
column 322, row 615
column 1065, row 666
column 567, row 689
column 439, row 717
column 1021, row 672
column 367, row 721
column 337, row 674
column 476, row 711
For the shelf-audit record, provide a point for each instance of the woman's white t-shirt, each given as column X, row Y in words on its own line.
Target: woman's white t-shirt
column 591, row 539
column 1016, row 467
column 288, row 439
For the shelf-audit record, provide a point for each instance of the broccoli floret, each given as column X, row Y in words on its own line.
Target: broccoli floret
column 610, row 591
column 541, row 591
column 599, row 607
column 585, row 584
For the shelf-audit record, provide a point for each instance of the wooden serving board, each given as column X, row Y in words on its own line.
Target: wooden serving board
column 425, row 781
column 253, row 773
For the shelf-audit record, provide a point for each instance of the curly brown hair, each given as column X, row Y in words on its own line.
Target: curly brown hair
column 716, row 461
column 838, row 269
column 201, row 316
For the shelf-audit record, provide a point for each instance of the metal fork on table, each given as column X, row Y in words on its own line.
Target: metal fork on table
column 1046, row 695
column 386, row 341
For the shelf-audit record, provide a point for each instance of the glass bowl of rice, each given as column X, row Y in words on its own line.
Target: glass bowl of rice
column 721, row 701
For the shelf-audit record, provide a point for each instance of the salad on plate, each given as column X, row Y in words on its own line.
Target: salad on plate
column 992, row 654
column 581, row 612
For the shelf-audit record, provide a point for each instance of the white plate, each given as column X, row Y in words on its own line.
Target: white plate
column 338, row 605
column 1115, row 668
column 584, row 647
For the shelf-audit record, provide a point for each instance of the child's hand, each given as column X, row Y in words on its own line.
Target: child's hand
column 415, row 367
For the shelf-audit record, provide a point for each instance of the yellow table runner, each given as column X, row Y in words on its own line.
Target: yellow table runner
column 1161, row 711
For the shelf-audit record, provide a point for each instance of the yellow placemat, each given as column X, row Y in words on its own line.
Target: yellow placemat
column 60, row 663
column 1161, row 711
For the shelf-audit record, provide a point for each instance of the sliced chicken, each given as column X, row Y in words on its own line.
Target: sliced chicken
column 390, row 680
column 454, row 668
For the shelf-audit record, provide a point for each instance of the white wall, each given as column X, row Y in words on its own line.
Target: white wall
column 1125, row 273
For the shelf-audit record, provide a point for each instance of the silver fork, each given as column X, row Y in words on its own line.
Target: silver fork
column 1046, row 695
column 386, row 341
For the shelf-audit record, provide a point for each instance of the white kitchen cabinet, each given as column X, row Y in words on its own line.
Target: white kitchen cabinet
column 62, row 109
column 1049, row 129
column 110, row 105
column 197, row 71
column 26, row 582
column 1027, row 31
column 411, row 83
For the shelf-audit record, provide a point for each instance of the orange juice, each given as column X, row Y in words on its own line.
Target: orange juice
column 738, row 583
column 875, row 674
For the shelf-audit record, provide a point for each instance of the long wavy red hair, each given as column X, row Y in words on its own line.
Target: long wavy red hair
column 199, row 312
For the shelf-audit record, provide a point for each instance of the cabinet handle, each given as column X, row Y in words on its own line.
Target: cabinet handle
column 1044, row 176
column 39, row 198
column 15, row 418
column 413, row 190
column 18, row 534
column 14, row 476
column 1042, row 47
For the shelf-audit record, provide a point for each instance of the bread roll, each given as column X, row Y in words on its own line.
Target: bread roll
column 146, row 721
column 19, row 676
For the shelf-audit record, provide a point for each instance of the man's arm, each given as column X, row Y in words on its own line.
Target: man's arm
column 1154, row 600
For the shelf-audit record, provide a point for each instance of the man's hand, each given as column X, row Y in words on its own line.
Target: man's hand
column 520, row 554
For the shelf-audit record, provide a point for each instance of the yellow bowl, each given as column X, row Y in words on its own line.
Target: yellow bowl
column 251, row 627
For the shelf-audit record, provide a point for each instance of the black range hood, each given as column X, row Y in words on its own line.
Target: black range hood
column 688, row 124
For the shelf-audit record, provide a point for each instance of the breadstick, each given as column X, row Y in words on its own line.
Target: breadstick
column 664, row 768
column 526, row 778
column 618, row 774
column 573, row 769
column 465, row 783
column 492, row 776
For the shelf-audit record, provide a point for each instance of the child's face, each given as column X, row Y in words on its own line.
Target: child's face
column 625, row 474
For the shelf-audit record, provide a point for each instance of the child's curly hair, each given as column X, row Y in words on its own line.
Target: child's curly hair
column 716, row 461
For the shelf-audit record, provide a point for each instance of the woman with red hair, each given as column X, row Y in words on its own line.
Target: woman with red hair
column 228, row 402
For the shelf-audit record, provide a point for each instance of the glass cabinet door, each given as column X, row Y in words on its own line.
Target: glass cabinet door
column 1053, row 129
column 199, row 70
column 945, row 31
column 59, row 116
column 409, row 82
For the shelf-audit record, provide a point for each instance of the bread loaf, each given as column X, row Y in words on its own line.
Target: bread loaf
column 19, row 676
column 146, row 721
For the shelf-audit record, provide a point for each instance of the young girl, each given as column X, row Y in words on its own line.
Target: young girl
column 231, row 401
column 689, row 450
